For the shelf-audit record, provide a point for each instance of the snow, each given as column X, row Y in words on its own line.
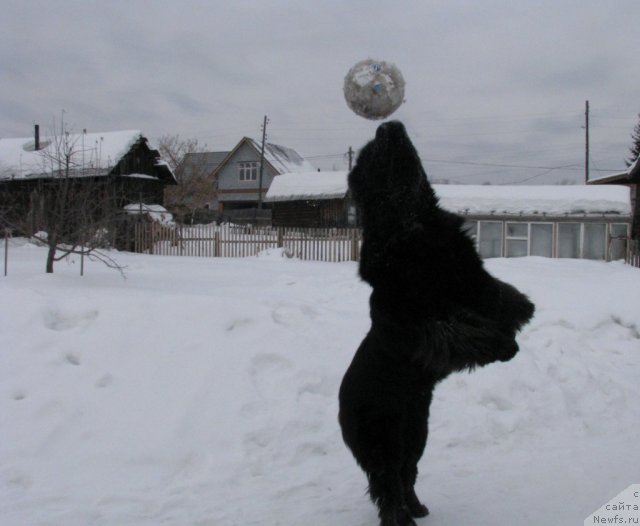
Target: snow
column 283, row 159
column 473, row 199
column 156, row 212
column 627, row 174
column 204, row 392
column 539, row 199
column 308, row 185
column 18, row 159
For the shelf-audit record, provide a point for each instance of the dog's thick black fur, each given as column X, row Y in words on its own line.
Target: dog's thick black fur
column 434, row 310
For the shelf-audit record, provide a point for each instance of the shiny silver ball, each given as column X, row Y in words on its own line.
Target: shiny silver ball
column 374, row 89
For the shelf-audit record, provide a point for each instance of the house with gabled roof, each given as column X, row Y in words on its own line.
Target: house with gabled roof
column 120, row 164
column 238, row 175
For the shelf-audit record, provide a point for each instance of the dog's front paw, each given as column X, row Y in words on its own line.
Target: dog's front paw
column 508, row 350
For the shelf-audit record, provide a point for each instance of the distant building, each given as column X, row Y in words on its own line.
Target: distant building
column 630, row 178
column 311, row 199
column 121, row 164
column 238, row 174
column 506, row 221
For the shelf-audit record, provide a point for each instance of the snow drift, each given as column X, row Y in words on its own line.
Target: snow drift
column 204, row 392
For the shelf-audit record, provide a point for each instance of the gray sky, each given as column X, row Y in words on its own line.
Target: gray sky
column 495, row 90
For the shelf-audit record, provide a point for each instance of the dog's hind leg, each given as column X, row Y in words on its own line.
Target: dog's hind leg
column 386, row 488
column 415, row 442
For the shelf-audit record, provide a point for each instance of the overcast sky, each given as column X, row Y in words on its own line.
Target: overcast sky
column 495, row 90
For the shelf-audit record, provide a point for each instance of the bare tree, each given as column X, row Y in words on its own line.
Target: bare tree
column 191, row 165
column 70, row 207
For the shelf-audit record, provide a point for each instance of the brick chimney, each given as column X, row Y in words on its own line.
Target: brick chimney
column 37, row 137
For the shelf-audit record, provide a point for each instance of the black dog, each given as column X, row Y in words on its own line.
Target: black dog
column 434, row 310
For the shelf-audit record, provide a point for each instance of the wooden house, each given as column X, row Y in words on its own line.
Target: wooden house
column 238, row 175
column 506, row 221
column 121, row 163
column 631, row 179
column 311, row 199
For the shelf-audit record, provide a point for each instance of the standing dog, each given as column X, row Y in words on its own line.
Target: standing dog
column 434, row 310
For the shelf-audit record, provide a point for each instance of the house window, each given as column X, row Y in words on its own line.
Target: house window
column 595, row 241
column 529, row 239
column 582, row 240
column 248, row 171
column 618, row 241
column 541, row 240
column 490, row 239
column 517, row 240
column 569, row 240
column 352, row 215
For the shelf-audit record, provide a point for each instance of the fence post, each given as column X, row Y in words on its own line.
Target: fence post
column 6, row 249
column 82, row 258
column 280, row 237
column 354, row 245
column 153, row 236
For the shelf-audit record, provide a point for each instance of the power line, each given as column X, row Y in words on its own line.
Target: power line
column 499, row 165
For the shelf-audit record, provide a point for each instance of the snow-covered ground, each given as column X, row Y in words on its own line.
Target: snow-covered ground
column 204, row 392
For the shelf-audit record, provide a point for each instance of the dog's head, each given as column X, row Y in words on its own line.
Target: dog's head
column 388, row 170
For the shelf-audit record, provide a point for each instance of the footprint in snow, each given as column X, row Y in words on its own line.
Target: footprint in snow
column 19, row 394
column 61, row 320
column 104, row 381
column 238, row 324
column 72, row 358
column 269, row 362
column 292, row 315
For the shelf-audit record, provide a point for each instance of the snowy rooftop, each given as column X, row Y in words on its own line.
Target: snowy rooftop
column 283, row 159
column 627, row 176
column 308, row 185
column 532, row 200
column 472, row 199
column 20, row 160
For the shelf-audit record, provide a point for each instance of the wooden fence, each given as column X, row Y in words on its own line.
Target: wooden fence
column 633, row 257
column 237, row 241
column 317, row 244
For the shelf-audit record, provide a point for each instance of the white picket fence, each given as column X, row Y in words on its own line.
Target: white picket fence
column 236, row 241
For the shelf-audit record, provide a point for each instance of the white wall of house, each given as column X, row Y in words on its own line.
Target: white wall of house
column 238, row 179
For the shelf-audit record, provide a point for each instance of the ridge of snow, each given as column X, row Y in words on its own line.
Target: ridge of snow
column 103, row 150
column 308, row 185
column 205, row 391
column 531, row 200
column 472, row 199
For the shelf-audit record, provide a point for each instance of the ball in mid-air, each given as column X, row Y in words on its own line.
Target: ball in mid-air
column 374, row 89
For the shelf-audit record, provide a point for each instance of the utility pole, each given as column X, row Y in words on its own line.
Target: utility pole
column 264, row 138
column 350, row 154
column 586, row 142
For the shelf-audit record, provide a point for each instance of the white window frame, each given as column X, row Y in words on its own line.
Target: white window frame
column 507, row 237
column 479, row 235
column 526, row 238
column 611, row 238
column 581, row 248
column 248, row 171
